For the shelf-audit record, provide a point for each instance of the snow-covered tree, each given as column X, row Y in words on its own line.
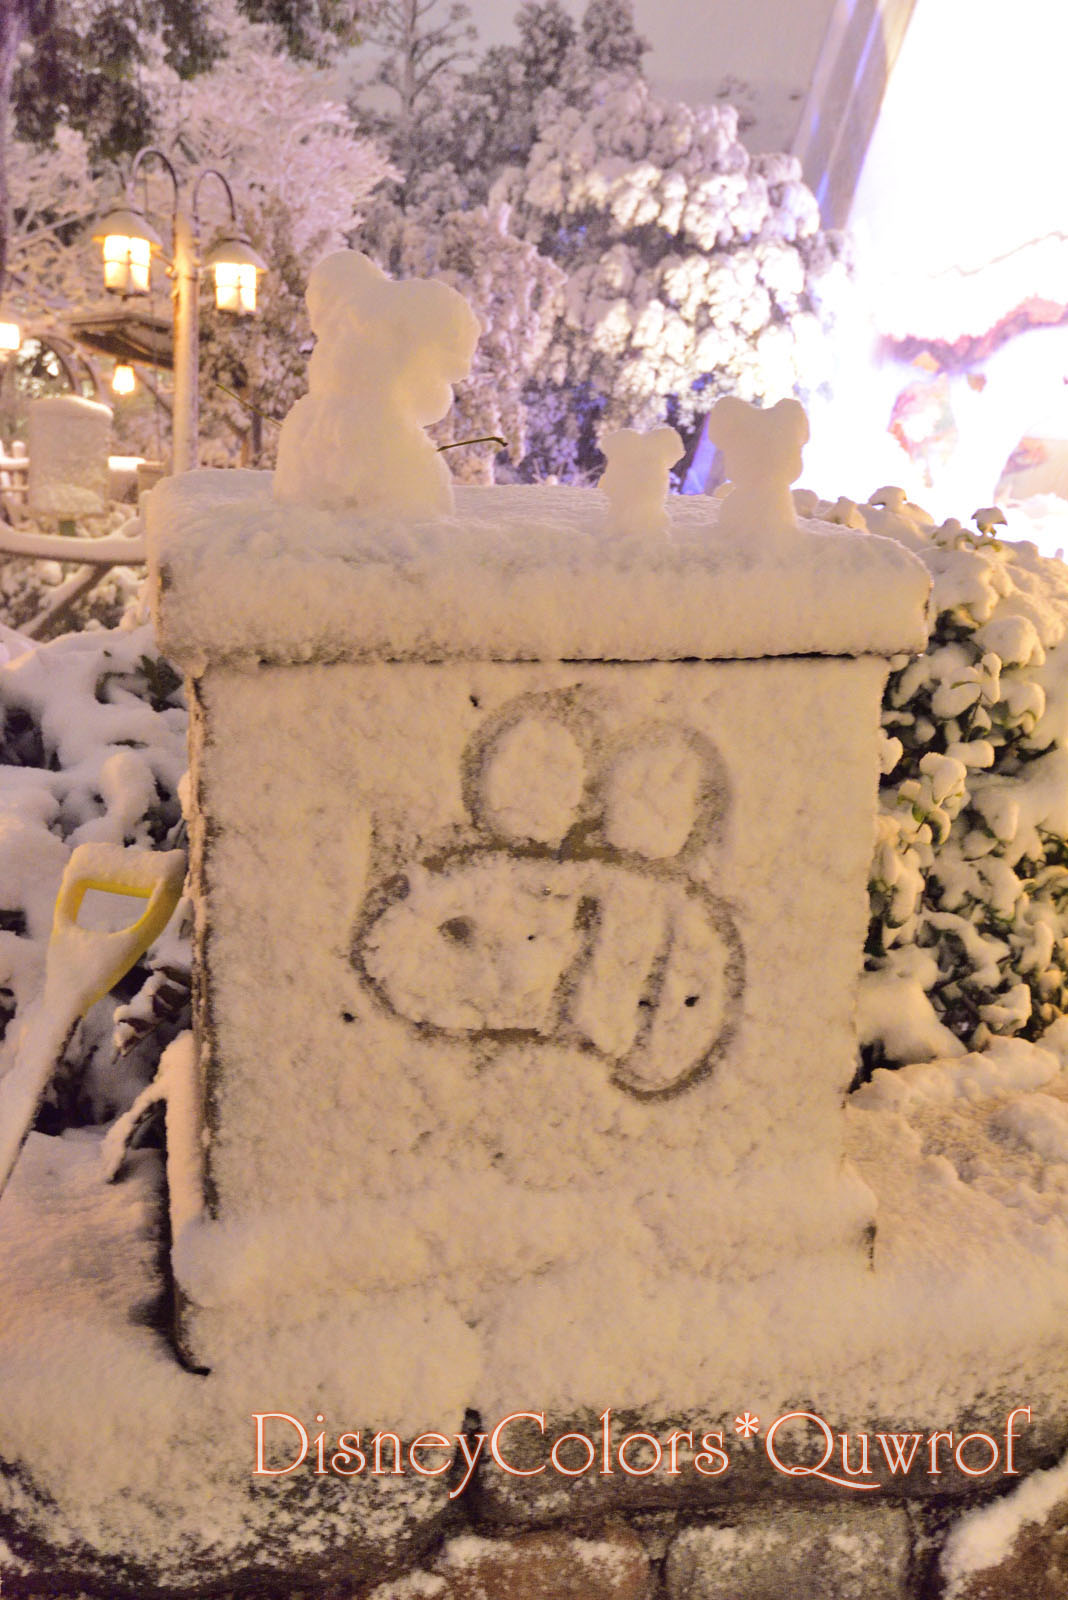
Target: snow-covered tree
column 692, row 269
column 79, row 65
column 610, row 38
column 300, row 173
column 420, row 46
column 90, row 64
column 691, row 265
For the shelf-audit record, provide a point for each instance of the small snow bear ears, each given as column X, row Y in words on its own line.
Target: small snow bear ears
column 386, row 357
column 636, row 478
column 762, row 454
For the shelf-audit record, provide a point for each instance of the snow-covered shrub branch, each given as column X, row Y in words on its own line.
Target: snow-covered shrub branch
column 93, row 748
column 969, row 890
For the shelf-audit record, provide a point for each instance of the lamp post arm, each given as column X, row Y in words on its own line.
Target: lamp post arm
column 212, row 172
column 142, row 156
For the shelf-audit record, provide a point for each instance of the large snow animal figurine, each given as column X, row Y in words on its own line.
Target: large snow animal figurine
column 635, row 478
column 762, row 452
column 386, row 357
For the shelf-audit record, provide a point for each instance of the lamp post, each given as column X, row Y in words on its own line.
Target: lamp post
column 129, row 243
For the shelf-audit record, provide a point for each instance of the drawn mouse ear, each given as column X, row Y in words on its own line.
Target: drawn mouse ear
column 532, row 781
column 651, row 794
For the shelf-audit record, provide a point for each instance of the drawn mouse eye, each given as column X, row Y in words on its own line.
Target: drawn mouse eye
column 458, row 930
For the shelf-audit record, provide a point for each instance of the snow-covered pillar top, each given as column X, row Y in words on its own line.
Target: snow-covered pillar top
column 513, row 573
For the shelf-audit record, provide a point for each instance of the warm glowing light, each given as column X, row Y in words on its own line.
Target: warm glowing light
column 123, row 380
column 235, row 287
column 10, row 337
column 236, row 267
column 127, row 263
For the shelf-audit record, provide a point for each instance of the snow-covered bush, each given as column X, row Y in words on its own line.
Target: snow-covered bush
column 92, row 748
column 969, row 888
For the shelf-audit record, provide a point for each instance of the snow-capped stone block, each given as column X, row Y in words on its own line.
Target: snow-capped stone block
column 386, row 357
column 499, row 1018
column 68, row 441
column 513, row 574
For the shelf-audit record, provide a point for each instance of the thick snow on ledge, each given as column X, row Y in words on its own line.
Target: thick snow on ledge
column 518, row 573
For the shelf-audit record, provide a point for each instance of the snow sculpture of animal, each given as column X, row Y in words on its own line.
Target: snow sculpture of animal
column 386, row 357
column 636, row 478
column 762, row 451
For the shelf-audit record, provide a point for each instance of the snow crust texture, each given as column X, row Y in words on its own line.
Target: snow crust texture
column 515, row 573
column 527, row 973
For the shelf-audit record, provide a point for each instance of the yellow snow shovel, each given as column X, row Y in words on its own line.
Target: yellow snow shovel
column 82, row 966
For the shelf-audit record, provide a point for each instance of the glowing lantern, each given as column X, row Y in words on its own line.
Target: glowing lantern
column 123, row 380
column 235, row 265
column 128, row 241
column 10, row 337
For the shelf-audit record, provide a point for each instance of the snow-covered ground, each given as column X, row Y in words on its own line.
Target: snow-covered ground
column 967, row 1158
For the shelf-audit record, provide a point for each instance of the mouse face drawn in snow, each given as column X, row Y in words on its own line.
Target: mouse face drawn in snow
column 570, row 918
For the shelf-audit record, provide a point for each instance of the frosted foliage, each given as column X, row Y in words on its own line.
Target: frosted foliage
column 689, row 262
column 533, row 781
column 651, row 798
column 301, row 175
column 636, row 478
column 762, row 452
column 272, row 126
column 49, row 186
column 969, row 885
column 383, row 368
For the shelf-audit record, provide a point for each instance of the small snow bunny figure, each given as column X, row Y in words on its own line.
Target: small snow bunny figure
column 762, row 451
column 386, row 357
column 636, row 478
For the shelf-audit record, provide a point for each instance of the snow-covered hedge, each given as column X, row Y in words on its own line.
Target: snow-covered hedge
column 93, row 747
column 969, row 888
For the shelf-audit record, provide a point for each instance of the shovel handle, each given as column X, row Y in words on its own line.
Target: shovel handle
column 149, row 875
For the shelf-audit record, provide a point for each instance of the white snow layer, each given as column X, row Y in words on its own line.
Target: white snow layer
column 463, row 1262
column 986, row 1537
column 515, row 573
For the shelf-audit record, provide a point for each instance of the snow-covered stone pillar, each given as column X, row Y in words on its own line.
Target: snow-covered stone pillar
column 530, row 862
